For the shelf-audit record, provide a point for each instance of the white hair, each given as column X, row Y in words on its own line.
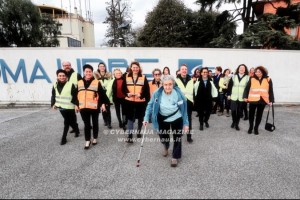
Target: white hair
column 167, row 78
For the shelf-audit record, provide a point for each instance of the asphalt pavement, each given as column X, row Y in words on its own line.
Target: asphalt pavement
column 220, row 163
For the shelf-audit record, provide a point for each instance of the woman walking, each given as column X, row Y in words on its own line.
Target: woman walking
column 106, row 81
column 223, row 85
column 168, row 109
column 119, row 97
column 259, row 93
column 92, row 99
column 137, row 92
column 64, row 98
column 236, row 89
column 205, row 91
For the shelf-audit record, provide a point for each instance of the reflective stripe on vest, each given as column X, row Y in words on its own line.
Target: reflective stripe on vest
column 63, row 100
column 135, row 88
column 258, row 90
column 73, row 79
column 188, row 90
column 88, row 98
column 238, row 88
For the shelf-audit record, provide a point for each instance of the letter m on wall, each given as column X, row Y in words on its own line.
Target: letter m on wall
column 21, row 68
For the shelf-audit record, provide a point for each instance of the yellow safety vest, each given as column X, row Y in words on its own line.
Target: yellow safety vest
column 238, row 88
column 73, row 79
column 63, row 100
column 188, row 90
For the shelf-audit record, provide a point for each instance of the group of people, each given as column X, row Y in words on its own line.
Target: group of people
column 167, row 102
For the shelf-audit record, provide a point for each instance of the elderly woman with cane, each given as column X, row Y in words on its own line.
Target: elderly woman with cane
column 168, row 107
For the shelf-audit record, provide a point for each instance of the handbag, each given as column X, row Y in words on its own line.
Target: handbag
column 270, row 127
column 162, row 118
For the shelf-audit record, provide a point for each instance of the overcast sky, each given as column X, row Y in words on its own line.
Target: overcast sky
column 139, row 9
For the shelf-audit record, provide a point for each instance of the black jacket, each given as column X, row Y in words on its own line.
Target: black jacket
column 203, row 97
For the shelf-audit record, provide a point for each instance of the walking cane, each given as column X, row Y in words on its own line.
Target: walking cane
column 138, row 161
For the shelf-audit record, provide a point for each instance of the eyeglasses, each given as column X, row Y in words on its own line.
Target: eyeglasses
column 156, row 74
column 205, row 72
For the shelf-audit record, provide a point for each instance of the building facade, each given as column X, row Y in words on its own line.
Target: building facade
column 75, row 30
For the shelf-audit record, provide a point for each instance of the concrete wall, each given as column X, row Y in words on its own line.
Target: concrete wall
column 27, row 74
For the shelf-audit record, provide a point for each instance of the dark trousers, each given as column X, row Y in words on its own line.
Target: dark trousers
column 236, row 110
column 86, row 115
column 244, row 110
column 120, row 104
column 107, row 115
column 224, row 102
column 259, row 108
column 190, row 106
column 204, row 112
column 174, row 128
column 217, row 103
column 130, row 127
column 69, row 116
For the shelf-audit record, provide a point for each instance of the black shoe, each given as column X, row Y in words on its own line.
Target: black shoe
column 232, row 125
column 129, row 140
column 201, row 128
column 72, row 131
column 139, row 135
column 189, row 140
column 249, row 130
column 105, row 124
column 63, row 141
column 237, row 127
column 246, row 118
column 197, row 115
column 256, row 131
column 76, row 134
column 120, row 125
column 206, row 124
column 109, row 126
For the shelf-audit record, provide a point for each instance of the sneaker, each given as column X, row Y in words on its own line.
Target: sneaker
column 72, row 131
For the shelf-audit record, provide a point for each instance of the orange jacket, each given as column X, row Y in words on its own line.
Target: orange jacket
column 135, row 88
column 258, row 90
column 88, row 97
column 153, row 87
